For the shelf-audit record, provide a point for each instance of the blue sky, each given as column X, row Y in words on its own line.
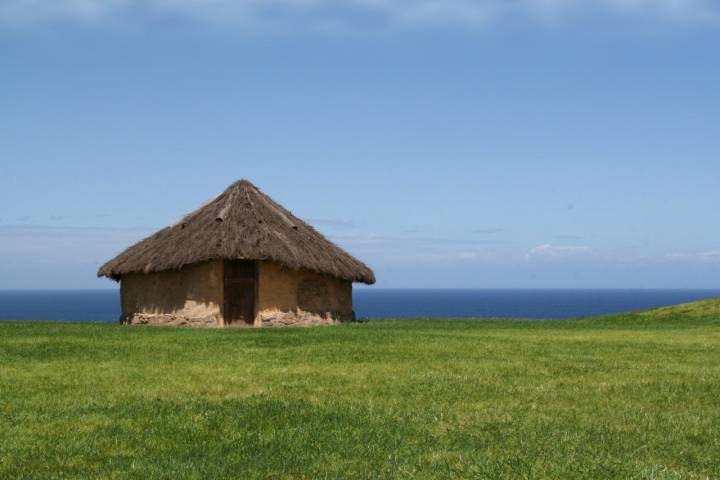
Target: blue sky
column 487, row 143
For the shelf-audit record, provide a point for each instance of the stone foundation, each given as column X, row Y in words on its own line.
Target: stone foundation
column 266, row 319
column 299, row 318
column 170, row 319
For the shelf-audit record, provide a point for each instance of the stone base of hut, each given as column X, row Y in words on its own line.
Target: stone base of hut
column 266, row 319
column 300, row 318
column 172, row 320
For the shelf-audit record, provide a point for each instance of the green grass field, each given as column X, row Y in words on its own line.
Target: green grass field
column 629, row 396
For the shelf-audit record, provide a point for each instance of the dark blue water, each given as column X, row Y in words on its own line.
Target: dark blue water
column 510, row 303
column 104, row 305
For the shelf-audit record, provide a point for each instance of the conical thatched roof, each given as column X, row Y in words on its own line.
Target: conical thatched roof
column 242, row 223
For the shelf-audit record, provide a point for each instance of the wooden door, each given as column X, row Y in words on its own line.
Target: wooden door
column 239, row 284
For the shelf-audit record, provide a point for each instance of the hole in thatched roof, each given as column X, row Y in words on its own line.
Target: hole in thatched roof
column 218, row 219
column 259, row 221
column 294, row 227
column 183, row 225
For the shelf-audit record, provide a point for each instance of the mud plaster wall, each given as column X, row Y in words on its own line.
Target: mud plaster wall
column 300, row 298
column 191, row 296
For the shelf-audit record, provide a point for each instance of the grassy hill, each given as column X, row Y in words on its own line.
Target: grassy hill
column 626, row 396
column 709, row 309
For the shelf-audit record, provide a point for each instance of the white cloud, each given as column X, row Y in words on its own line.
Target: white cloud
column 710, row 256
column 349, row 13
column 557, row 251
column 49, row 244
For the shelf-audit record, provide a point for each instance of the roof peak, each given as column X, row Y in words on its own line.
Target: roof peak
column 243, row 182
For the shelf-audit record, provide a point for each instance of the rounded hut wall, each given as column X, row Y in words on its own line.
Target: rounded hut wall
column 289, row 297
column 190, row 296
column 193, row 296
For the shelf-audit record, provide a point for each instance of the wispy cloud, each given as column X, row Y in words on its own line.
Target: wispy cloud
column 56, row 245
column 386, row 250
column 403, row 242
column 710, row 256
column 488, row 231
column 68, row 231
column 349, row 13
column 557, row 251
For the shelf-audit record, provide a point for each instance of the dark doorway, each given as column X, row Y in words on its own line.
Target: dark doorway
column 239, row 283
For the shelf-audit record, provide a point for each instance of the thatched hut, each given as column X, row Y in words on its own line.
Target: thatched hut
column 239, row 260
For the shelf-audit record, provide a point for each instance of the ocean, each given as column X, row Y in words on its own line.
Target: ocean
column 377, row 303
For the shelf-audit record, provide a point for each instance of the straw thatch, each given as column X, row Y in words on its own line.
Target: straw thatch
column 242, row 223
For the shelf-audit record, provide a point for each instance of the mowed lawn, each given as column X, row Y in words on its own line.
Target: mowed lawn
column 631, row 396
